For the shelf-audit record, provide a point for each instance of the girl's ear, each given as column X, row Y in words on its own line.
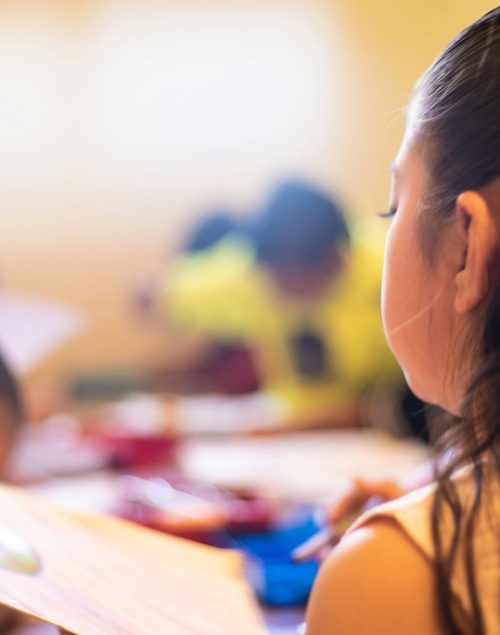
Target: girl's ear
column 479, row 236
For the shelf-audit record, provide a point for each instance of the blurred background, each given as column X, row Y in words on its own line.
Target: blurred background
column 225, row 393
column 121, row 121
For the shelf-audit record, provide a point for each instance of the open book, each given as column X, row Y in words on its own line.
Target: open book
column 94, row 575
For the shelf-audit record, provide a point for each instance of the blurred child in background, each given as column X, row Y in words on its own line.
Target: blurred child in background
column 299, row 289
column 11, row 419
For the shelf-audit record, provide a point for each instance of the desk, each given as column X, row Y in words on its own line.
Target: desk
column 292, row 468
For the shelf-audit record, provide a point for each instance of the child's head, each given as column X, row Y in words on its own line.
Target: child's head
column 11, row 415
column 213, row 227
column 441, row 299
column 300, row 238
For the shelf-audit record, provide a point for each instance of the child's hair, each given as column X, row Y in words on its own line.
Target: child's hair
column 299, row 225
column 214, row 226
column 10, row 392
column 456, row 120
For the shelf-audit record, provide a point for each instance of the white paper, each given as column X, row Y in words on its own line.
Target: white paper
column 32, row 327
column 306, row 466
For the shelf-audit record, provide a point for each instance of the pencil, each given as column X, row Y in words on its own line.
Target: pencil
column 328, row 535
column 331, row 534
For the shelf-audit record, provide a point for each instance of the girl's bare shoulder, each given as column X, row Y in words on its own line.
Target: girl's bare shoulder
column 376, row 581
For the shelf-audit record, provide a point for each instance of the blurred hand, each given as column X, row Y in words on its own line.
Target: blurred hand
column 341, row 511
column 362, row 494
column 344, row 507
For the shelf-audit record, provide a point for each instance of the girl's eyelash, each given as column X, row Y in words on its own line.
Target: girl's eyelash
column 388, row 213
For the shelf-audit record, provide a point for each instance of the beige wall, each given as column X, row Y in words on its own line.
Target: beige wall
column 387, row 45
column 121, row 120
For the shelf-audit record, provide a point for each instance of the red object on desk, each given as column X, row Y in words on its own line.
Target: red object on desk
column 156, row 504
column 250, row 515
column 206, row 531
column 127, row 450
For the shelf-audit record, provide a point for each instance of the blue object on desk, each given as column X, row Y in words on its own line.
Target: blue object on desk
column 276, row 578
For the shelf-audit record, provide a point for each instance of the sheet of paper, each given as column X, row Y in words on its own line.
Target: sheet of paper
column 304, row 466
column 102, row 576
column 32, row 327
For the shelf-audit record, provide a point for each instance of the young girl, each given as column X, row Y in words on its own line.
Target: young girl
column 429, row 563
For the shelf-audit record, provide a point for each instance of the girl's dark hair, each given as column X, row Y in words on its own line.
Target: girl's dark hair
column 456, row 120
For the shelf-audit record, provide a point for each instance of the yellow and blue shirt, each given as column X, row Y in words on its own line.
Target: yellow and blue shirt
column 224, row 294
